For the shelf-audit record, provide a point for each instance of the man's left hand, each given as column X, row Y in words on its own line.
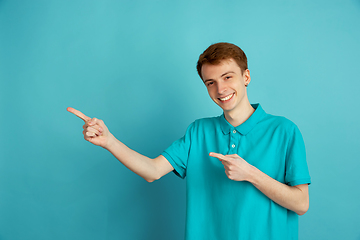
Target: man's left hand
column 236, row 168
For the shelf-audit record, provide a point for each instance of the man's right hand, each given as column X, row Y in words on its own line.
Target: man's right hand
column 95, row 130
column 97, row 133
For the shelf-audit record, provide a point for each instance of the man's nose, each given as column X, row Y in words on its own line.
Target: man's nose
column 221, row 87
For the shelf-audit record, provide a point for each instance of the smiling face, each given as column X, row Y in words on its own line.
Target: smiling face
column 226, row 85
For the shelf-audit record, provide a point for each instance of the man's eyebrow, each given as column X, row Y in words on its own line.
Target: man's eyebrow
column 220, row 76
column 227, row 73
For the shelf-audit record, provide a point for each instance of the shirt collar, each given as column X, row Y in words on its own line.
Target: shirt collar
column 246, row 126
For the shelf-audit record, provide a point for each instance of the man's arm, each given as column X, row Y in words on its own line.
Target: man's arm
column 96, row 132
column 295, row 198
column 147, row 168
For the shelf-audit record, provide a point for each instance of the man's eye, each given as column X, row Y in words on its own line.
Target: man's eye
column 210, row 83
column 227, row 77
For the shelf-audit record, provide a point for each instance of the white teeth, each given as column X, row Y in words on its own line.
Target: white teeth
column 226, row 98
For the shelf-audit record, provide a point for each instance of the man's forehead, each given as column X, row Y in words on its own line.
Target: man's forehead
column 220, row 68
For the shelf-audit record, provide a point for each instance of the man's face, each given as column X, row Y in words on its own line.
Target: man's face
column 226, row 84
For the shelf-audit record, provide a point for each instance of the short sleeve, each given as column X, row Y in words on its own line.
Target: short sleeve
column 296, row 166
column 178, row 153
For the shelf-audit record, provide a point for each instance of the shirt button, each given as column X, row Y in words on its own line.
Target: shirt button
column 233, row 145
column 234, row 131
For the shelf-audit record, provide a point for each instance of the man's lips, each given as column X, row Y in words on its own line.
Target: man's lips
column 226, row 98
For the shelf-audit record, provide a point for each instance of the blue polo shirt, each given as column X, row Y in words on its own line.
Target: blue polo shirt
column 220, row 208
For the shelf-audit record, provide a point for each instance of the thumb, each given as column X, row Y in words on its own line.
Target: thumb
column 98, row 122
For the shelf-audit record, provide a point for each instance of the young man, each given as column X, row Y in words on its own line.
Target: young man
column 265, row 184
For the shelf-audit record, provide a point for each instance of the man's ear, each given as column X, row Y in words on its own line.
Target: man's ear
column 246, row 76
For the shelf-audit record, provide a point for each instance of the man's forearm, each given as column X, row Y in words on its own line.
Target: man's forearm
column 147, row 168
column 295, row 198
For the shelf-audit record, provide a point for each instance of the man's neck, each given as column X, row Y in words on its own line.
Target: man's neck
column 237, row 117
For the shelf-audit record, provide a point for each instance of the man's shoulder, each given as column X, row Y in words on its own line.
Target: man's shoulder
column 207, row 121
column 279, row 122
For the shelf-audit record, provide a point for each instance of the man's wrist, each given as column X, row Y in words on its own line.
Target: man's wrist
column 253, row 173
column 110, row 142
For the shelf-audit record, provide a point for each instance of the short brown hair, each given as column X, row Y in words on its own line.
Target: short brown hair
column 222, row 51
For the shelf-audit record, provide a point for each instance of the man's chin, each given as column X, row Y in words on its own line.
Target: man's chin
column 226, row 110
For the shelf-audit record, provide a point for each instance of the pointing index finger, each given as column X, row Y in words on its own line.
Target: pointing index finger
column 218, row 155
column 78, row 114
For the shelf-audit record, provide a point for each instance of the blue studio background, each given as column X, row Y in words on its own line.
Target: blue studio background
column 132, row 64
